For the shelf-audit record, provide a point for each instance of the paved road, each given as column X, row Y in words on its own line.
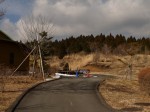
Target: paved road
column 64, row 95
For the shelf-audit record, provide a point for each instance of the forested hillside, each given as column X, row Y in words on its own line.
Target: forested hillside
column 118, row 44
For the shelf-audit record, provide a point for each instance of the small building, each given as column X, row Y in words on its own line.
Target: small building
column 12, row 53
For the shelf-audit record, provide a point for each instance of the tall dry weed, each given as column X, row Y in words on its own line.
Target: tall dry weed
column 4, row 73
column 77, row 61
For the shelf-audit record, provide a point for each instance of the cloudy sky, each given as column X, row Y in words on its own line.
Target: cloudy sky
column 76, row 17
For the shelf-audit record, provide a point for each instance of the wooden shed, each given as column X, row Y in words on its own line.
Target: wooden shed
column 12, row 53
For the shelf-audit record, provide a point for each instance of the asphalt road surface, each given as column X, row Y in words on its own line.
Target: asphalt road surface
column 64, row 95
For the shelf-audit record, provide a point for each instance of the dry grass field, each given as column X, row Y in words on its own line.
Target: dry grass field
column 124, row 92
column 12, row 87
column 125, row 95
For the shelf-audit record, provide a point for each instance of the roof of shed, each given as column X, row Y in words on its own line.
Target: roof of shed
column 4, row 36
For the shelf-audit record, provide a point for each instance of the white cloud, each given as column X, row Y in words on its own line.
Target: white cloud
column 75, row 17
column 96, row 16
column 13, row 30
column 10, row 29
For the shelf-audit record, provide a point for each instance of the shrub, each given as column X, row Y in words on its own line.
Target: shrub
column 144, row 80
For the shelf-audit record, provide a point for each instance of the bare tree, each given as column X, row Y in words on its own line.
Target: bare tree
column 106, row 50
column 2, row 10
column 146, row 61
column 36, row 29
column 3, row 71
column 95, row 49
column 32, row 26
column 131, row 50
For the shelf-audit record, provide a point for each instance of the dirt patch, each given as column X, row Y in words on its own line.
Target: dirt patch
column 126, row 94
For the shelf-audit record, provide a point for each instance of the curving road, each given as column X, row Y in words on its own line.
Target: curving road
column 64, row 95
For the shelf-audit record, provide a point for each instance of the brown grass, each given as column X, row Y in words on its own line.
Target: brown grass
column 119, row 93
column 75, row 61
column 125, row 95
column 14, row 86
column 144, row 80
column 92, row 68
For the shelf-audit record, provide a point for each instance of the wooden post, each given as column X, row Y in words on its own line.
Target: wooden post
column 41, row 62
column 34, row 61
column 41, row 59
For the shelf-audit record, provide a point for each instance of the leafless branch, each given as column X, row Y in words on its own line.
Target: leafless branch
column 32, row 26
column 2, row 10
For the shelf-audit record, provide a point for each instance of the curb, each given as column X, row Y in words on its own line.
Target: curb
column 19, row 98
